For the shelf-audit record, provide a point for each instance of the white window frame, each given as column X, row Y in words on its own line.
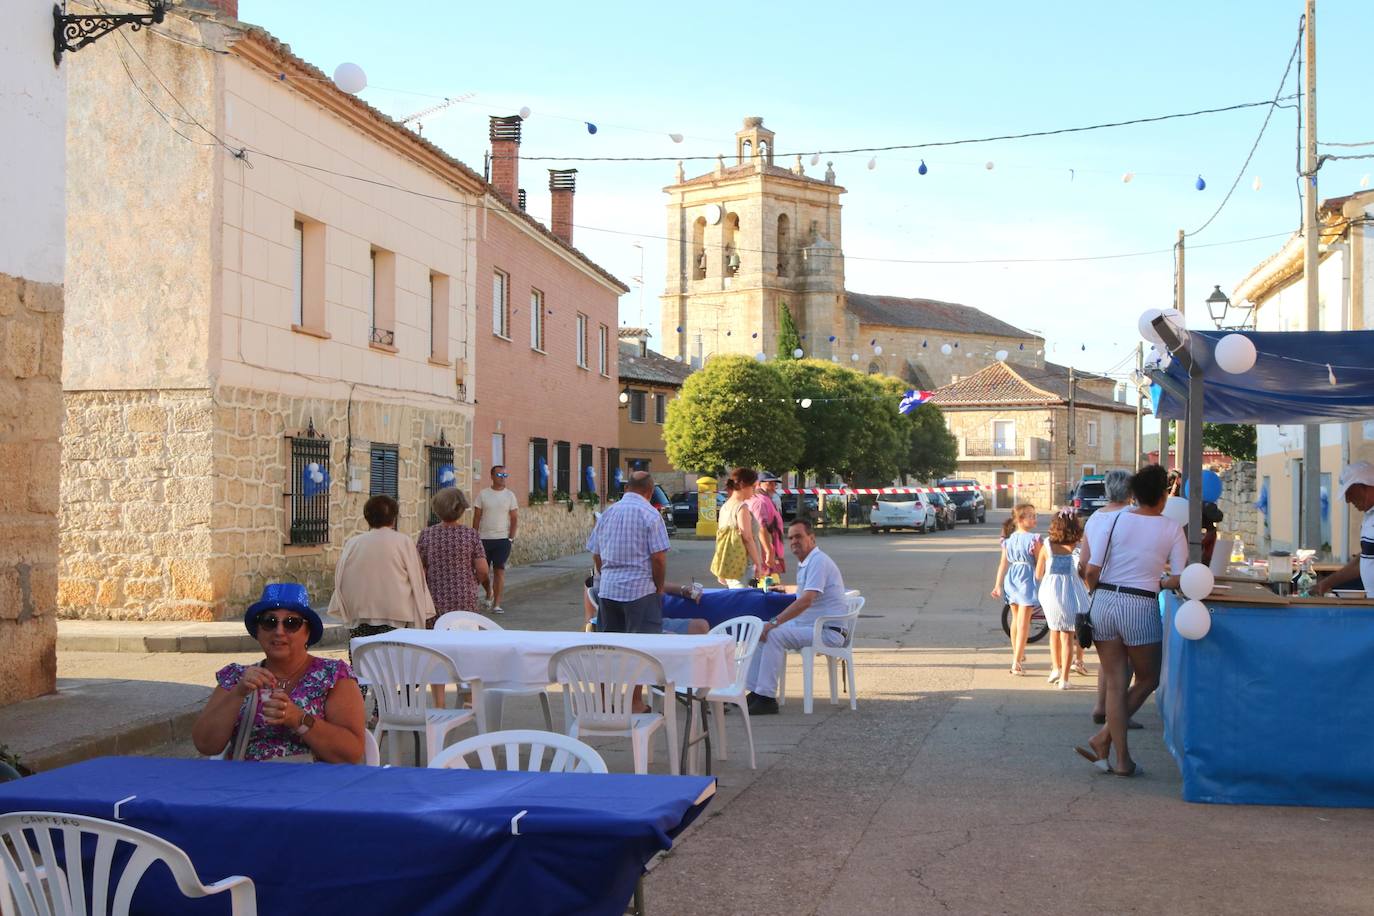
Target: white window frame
column 536, row 320
column 1092, row 433
column 603, row 348
column 498, row 449
column 500, row 304
column 996, row 440
column 581, row 340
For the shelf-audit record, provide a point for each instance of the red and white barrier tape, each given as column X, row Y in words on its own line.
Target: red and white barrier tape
column 875, row 491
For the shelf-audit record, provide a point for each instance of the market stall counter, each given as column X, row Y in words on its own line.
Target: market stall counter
column 1275, row 705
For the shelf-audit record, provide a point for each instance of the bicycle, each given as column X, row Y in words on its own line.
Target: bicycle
column 1039, row 626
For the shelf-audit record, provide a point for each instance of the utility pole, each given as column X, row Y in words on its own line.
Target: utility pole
column 1073, row 427
column 1311, row 534
column 1180, row 303
column 1139, row 409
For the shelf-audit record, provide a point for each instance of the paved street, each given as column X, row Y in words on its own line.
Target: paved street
column 953, row 788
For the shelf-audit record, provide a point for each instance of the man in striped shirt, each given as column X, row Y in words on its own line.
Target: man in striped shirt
column 629, row 547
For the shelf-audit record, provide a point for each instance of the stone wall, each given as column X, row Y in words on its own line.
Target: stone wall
column 1239, row 491
column 549, row 531
column 30, row 421
column 174, row 505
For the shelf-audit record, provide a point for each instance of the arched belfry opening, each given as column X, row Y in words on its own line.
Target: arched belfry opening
column 754, row 142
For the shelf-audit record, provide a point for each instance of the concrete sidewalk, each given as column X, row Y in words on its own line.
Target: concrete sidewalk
column 229, row 635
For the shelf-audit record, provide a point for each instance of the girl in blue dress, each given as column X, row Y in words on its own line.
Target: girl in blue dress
column 1016, row 579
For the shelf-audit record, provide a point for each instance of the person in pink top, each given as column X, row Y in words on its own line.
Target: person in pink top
column 770, row 529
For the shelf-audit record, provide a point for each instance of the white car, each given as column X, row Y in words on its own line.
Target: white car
column 902, row 510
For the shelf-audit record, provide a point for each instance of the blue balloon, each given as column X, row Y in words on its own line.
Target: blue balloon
column 921, row 169
column 591, row 128
column 1211, row 487
column 1200, row 184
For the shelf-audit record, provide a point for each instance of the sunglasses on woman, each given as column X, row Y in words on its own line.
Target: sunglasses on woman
column 289, row 624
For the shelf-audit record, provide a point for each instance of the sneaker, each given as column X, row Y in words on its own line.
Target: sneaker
column 498, row 610
column 1054, row 676
column 760, row 705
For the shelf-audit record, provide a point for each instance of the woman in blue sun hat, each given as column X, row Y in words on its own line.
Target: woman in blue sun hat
column 298, row 707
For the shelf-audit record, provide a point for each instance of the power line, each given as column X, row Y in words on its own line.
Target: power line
column 1283, row 81
column 928, row 145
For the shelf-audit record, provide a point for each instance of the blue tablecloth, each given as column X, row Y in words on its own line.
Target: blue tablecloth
column 720, row 604
column 1274, row 706
column 349, row 839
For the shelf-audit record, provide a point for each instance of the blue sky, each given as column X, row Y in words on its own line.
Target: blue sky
column 833, row 76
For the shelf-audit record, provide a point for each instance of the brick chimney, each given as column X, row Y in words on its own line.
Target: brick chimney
column 562, row 186
column 505, row 155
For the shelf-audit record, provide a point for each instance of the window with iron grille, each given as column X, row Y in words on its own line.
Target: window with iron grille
column 586, row 462
column 384, row 471
column 307, row 489
column 660, row 408
column 440, row 461
column 614, row 487
column 563, row 463
column 539, row 470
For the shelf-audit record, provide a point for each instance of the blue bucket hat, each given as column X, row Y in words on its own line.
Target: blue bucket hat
column 285, row 596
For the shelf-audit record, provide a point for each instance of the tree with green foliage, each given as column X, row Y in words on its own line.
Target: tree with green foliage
column 733, row 412
column 883, row 436
column 1238, row 440
column 830, row 423
column 789, row 341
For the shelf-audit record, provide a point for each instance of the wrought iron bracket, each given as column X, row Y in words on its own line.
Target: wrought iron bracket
column 72, row 33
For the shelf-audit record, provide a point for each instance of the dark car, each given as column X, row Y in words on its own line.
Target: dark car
column 811, row 505
column 685, row 509
column 1089, row 496
column 968, row 504
column 660, row 501
column 945, row 513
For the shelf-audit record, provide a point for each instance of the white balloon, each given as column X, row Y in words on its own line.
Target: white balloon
column 797, row 353
column 1176, row 508
column 946, row 349
column 806, row 402
column 1257, row 184
column 815, row 158
column 873, row 163
column 1146, row 324
column 676, row 138
column 1001, row 355
column 988, row 165
column 853, row 357
column 312, row 467
column 525, row 113
column 761, row 357
column 834, row 359
column 1192, row 620
column 1236, row 353
column 1126, row 178
column 350, row 78
column 1196, row 581
column 878, row 350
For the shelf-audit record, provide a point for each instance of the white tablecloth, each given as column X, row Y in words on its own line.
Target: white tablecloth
column 520, row 658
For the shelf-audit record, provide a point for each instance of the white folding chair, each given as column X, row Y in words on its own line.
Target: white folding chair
column 746, row 632
column 842, row 654
column 495, row 696
column 372, row 752
column 569, row 754
column 399, row 675
column 598, row 686
column 32, row 884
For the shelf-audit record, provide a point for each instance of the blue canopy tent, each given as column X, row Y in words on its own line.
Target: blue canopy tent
column 1291, row 381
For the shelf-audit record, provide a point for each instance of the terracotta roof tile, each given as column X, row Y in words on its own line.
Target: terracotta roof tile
column 655, row 367
column 1005, row 384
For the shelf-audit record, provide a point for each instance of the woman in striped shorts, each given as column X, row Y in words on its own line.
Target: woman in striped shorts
column 1135, row 551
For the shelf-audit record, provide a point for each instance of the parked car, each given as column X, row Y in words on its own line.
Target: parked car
column 968, row 504
column 660, row 501
column 811, row 505
column 946, row 515
column 1090, row 495
column 902, row 510
column 686, row 509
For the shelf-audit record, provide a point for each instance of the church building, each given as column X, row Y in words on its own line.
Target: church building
column 748, row 238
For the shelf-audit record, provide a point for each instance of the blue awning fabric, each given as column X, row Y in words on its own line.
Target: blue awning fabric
column 1291, row 381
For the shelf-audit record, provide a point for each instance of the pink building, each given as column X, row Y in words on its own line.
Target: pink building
column 546, row 343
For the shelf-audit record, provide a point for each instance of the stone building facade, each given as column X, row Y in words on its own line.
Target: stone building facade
column 253, row 351
column 1012, row 424
column 33, row 108
column 747, row 238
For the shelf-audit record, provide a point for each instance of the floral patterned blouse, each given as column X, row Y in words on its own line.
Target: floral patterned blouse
column 448, row 552
column 310, row 694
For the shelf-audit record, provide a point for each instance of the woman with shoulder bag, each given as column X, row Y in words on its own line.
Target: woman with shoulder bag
column 1127, row 628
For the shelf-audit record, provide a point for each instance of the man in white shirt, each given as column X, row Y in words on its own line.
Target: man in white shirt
column 820, row 593
column 494, row 516
column 1357, row 488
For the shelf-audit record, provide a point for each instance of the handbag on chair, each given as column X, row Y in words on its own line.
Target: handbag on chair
column 247, row 716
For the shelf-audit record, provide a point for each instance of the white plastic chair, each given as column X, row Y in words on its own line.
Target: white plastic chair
column 598, row 686
column 569, row 754
column 399, row 675
column 495, row 696
column 32, row 884
column 372, row 752
column 841, row 654
column 746, row 632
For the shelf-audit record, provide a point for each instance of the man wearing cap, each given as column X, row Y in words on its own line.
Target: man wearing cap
column 1357, row 488
column 765, row 510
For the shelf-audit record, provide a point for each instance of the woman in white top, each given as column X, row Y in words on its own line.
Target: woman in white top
column 1116, row 486
column 1126, row 570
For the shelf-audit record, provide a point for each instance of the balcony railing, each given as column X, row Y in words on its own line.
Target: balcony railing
column 384, row 337
column 1022, row 448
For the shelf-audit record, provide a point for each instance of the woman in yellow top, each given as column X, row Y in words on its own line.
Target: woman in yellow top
column 737, row 543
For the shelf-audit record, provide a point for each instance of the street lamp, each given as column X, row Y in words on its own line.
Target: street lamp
column 1219, row 305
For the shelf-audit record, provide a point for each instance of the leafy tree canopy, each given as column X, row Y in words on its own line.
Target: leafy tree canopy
column 1234, row 439
column 733, row 412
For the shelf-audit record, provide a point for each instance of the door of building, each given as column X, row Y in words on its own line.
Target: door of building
column 1003, row 496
